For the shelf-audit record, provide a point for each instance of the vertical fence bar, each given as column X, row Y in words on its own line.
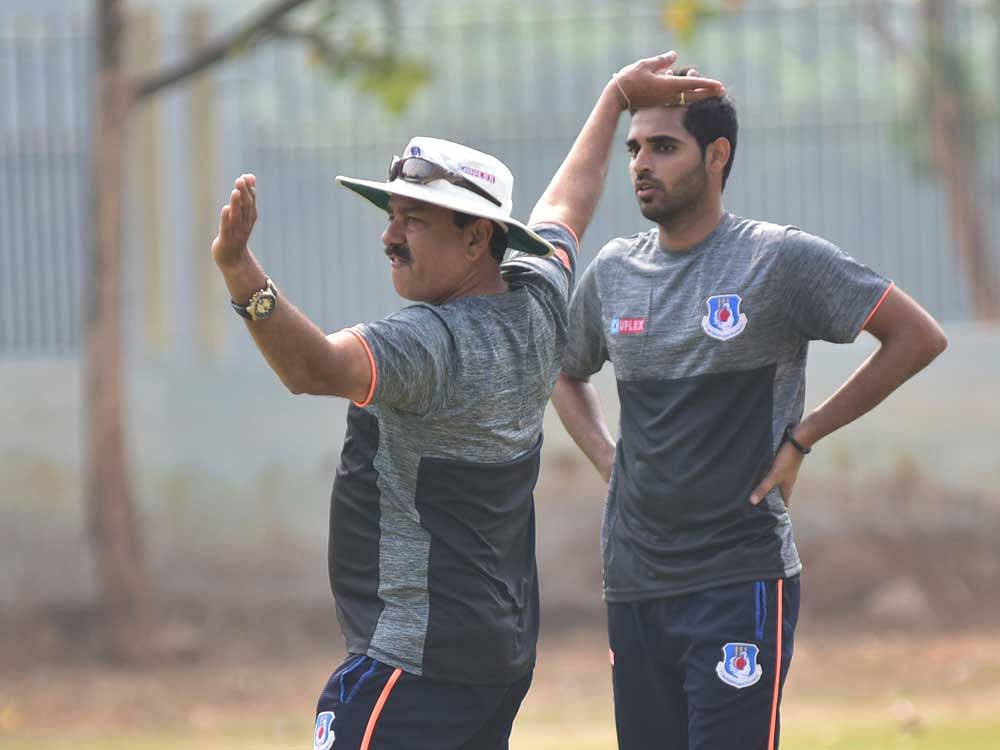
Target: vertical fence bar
column 210, row 294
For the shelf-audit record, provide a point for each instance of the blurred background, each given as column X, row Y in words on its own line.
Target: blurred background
column 163, row 501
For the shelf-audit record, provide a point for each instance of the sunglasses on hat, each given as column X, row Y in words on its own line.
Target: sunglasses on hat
column 422, row 170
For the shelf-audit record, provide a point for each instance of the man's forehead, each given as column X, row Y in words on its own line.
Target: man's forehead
column 655, row 121
column 403, row 203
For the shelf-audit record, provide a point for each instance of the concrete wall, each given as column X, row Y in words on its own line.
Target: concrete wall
column 233, row 474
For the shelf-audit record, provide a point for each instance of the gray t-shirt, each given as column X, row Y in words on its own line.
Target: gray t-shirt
column 432, row 536
column 709, row 349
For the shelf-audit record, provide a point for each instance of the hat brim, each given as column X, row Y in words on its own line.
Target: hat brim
column 444, row 194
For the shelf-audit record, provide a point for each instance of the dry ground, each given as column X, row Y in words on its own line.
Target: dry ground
column 900, row 632
column 904, row 681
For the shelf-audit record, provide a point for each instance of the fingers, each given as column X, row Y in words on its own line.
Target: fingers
column 766, row 485
column 656, row 81
column 661, row 61
column 697, row 95
column 243, row 202
column 693, row 83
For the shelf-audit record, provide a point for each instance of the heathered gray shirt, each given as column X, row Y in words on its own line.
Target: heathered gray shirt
column 709, row 350
column 432, row 530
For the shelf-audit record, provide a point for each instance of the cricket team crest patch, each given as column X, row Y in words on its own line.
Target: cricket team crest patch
column 739, row 666
column 724, row 320
column 323, row 735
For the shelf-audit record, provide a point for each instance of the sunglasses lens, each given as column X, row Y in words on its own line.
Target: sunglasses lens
column 418, row 170
column 393, row 171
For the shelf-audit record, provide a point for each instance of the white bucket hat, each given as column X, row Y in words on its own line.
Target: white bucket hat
column 462, row 176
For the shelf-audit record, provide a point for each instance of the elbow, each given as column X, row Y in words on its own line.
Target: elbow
column 934, row 344
column 925, row 347
column 294, row 387
column 298, row 384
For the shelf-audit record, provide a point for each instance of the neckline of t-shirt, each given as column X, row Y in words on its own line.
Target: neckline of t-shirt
column 473, row 299
column 680, row 256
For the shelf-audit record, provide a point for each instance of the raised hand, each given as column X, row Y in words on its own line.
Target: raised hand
column 651, row 82
column 236, row 222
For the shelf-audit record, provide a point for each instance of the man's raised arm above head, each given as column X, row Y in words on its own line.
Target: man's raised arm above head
column 571, row 199
column 572, row 196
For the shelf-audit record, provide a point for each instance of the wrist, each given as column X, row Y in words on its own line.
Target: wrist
column 800, row 444
column 616, row 92
column 230, row 261
column 242, row 276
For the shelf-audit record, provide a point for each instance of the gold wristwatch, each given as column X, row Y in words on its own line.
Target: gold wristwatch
column 261, row 304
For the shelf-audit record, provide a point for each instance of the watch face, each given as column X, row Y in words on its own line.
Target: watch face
column 263, row 306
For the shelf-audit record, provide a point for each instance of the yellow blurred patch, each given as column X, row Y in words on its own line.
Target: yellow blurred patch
column 10, row 719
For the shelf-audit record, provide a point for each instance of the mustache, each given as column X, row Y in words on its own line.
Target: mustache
column 400, row 251
column 647, row 178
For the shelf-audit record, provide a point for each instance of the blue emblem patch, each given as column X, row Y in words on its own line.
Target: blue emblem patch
column 739, row 666
column 323, row 734
column 415, row 151
column 724, row 320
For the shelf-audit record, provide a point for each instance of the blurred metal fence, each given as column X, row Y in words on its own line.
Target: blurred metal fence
column 829, row 141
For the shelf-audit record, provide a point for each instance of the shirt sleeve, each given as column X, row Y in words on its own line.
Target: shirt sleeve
column 586, row 347
column 412, row 353
column 557, row 271
column 829, row 295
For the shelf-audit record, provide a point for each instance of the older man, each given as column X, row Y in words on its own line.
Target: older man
column 432, row 559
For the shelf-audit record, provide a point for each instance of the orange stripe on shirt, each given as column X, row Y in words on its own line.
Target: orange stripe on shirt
column 565, row 226
column 563, row 258
column 892, row 285
column 777, row 669
column 371, row 361
column 561, row 253
column 377, row 711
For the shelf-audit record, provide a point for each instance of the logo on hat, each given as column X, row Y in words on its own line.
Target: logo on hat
column 724, row 320
column 739, row 666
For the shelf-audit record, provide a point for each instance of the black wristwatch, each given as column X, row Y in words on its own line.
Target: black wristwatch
column 261, row 304
column 787, row 438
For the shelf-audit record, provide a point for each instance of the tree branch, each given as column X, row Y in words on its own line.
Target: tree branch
column 218, row 50
column 876, row 20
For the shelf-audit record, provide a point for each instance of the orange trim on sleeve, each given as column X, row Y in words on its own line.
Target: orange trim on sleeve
column 371, row 361
column 379, row 704
column 892, row 285
column 777, row 667
column 565, row 226
column 563, row 257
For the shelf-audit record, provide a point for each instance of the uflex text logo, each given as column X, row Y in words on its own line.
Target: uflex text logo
column 628, row 325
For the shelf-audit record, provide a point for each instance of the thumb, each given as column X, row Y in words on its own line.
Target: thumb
column 765, row 486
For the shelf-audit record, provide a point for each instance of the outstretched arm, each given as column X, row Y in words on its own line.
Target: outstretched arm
column 298, row 352
column 910, row 339
column 574, row 192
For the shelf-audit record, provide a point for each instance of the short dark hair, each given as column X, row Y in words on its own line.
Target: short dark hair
column 498, row 239
column 710, row 119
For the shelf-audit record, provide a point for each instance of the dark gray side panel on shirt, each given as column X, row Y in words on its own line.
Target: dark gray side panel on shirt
column 354, row 532
column 682, row 499
column 482, row 579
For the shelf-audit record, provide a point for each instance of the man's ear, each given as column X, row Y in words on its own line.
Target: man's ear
column 717, row 155
column 477, row 237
